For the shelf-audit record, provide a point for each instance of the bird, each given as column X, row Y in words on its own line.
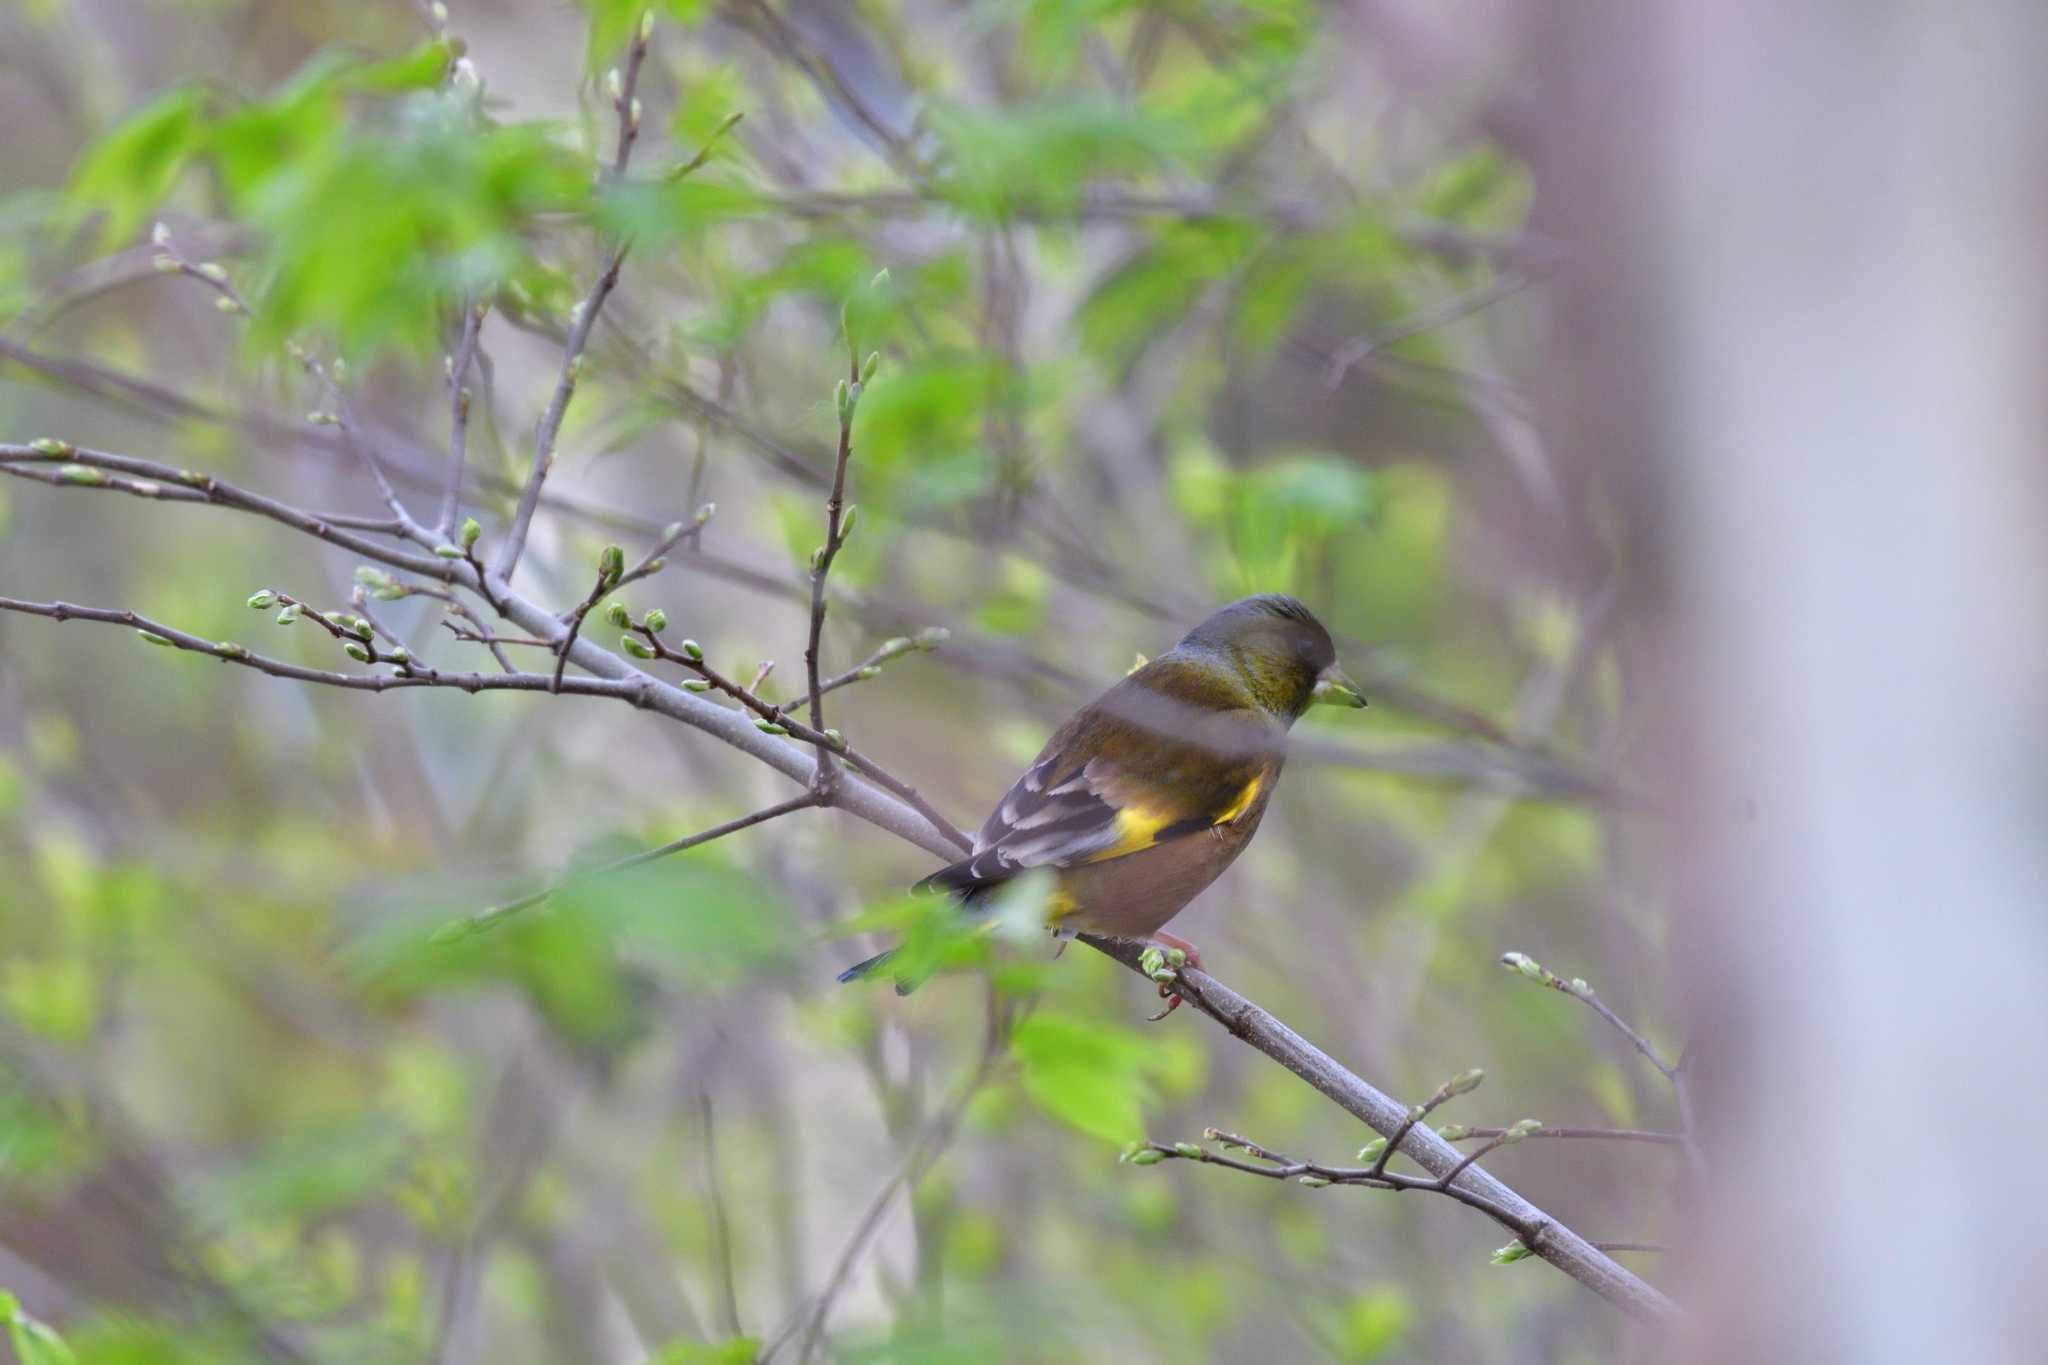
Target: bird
column 1144, row 796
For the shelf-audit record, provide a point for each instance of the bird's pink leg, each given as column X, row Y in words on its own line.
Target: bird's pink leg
column 1193, row 956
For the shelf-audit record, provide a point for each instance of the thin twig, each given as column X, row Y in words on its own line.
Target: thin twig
column 821, row 562
column 925, row 1150
column 777, row 720
column 721, row 1227
column 168, row 483
column 1578, row 990
column 495, row 915
column 627, row 105
column 1461, row 1133
column 458, row 416
column 606, row 581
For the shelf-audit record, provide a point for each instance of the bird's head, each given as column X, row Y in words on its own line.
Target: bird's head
column 1282, row 651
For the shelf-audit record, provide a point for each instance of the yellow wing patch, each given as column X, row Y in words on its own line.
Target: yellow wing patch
column 1135, row 829
column 1243, row 802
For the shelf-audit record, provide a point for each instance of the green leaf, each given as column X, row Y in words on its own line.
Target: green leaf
column 34, row 1342
column 423, row 68
column 1042, row 157
column 1088, row 1073
column 129, row 172
column 738, row 1351
column 1376, row 1323
column 373, row 235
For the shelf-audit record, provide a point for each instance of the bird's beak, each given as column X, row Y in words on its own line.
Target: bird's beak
column 1335, row 688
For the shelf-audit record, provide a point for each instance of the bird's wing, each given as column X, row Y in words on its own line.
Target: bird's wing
column 1138, row 768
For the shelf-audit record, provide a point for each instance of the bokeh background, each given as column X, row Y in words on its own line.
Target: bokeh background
column 1646, row 398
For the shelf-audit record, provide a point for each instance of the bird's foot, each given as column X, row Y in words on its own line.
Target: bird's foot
column 1163, row 963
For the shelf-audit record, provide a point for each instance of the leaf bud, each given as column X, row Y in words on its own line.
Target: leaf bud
column 617, row 614
column 1314, row 1182
column 1454, row 1132
column 84, row 475
column 1371, row 1151
column 471, row 531
column 870, row 365
column 448, row 552
column 50, row 448
column 289, row 614
column 153, row 638
column 263, row 600
column 769, row 727
column 1512, row 1252
column 657, row 620
column 692, row 651
column 356, row 652
column 612, row 563
column 1188, row 1150
column 1147, row 1156
column 1465, row 1082
column 696, row 685
column 637, row 647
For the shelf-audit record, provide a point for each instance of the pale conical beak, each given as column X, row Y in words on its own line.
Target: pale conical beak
column 1334, row 688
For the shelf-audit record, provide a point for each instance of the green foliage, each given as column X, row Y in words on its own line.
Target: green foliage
column 1089, row 1073
column 132, row 169
column 738, row 1351
column 1375, row 1325
column 34, row 1342
column 1152, row 291
column 1041, row 158
column 1277, row 517
column 374, row 234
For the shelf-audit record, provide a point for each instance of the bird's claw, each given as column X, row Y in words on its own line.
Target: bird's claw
column 1172, row 998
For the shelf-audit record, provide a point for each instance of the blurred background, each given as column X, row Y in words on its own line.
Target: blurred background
column 1647, row 397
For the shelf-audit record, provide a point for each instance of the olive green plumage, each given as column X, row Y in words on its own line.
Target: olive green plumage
column 1143, row 798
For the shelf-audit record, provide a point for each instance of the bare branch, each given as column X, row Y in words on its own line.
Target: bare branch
column 168, row 483
column 1577, row 989
column 1550, row 1239
column 458, row 416
column 495, row 915
column 836, row 527
column 1458, row 1132
column 627, row 105
column 926, row 1148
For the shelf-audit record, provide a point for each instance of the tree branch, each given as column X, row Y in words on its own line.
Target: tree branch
column 1547, row 1237
column 627, row 105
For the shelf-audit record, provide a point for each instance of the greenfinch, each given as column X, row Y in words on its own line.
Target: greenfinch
column 1149, row 792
